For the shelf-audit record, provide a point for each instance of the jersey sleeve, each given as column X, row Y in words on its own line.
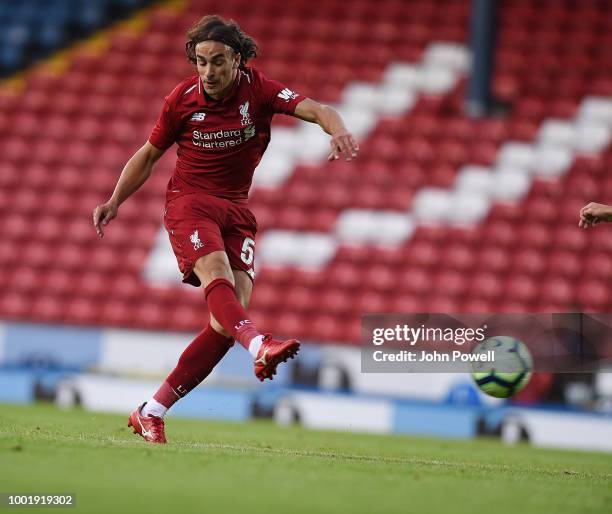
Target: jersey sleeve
column 165, row 131
column 277, row 97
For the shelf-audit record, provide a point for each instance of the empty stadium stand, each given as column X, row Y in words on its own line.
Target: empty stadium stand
column 383, row 231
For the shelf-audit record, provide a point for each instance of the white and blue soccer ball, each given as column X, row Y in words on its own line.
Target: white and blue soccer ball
column 508, row 372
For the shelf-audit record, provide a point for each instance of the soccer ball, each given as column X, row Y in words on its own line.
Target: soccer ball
column 510, row 370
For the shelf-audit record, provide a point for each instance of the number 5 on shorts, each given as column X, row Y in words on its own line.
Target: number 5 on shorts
column 248, row 251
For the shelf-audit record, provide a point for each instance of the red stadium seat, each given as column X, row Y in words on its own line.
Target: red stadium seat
column 557, row 291
column 487, row 285
column 16, row 305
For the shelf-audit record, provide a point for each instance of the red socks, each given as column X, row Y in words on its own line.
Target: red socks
column 227, row 310
column 208, row 347
column 194, row 365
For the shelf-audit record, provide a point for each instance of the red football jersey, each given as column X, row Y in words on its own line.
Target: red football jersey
column 220, row 142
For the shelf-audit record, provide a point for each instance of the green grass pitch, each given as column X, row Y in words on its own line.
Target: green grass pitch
column 258, row 467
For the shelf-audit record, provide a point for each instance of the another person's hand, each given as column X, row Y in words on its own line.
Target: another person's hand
column 594, row 213
column 103, row 214
column 343, row 144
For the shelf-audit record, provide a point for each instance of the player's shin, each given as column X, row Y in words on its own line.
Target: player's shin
column 194, row 365
column 228, row 311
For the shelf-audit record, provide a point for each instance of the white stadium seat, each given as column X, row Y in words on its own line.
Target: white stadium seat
column 552, row 160
column 591, row 136
column 448, row 55
column 516, row 155
column 477, row 179
column 300, row 249
column 596, row 109
column 363, row 226
column 394, row 99
column 557, row 132
column 404, row 75
column 467, row 208
column 437, row 79
column 431, row 205
column 510, row 184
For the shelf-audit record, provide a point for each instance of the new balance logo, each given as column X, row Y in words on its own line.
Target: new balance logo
column 286, row 94
column 198, row 116
column 195, row 240
column 249, row 132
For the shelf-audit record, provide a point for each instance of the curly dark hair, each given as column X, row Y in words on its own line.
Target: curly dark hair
column 216, row 28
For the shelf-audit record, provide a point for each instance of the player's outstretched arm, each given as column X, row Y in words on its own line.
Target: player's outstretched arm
column 594, row 213
column 134, row 174
column 342, row 141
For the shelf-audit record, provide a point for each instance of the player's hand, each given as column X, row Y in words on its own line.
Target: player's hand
column 594, row 213
column 102, row 215
column 343, row 145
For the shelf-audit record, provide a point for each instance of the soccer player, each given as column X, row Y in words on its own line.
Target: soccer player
column 593, row 213
column 220, row 120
